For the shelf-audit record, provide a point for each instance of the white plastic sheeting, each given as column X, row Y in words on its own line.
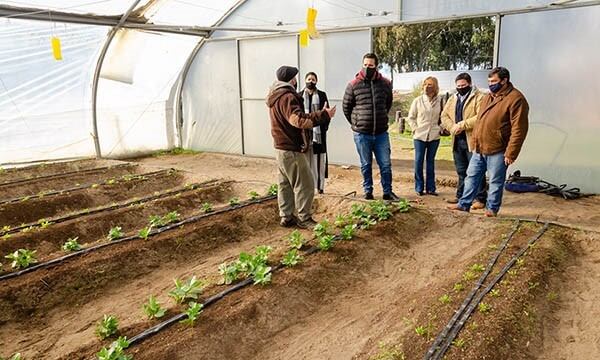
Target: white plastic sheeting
column 211, row 97
column 554, row 59
column 44, row 103
column 290, row 15
column 139, row 117
column 210, row 100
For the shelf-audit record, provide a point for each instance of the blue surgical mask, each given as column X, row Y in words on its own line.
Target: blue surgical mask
column 495, row 87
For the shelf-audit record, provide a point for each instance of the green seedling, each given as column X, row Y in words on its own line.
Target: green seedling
column 111, row 181
column 207, row 207
column 325, row 242
column 94, row 186
column 194, row 309
column 234, row 201
column 342, row 220
column 347, row 232
column 495, row 293
column 115, row 233
column 230, row 272
column 459, row 343
column 253, row 195
column 5, row 228
column 445, row 299
column 171, row 217
column 403, row 206
column 291, row 258
column 145, row 232
column 262, row 275
column 71, row 245
column 44, row 223
column 272, row 190
column 484, row 307
column 186, row 290
column 22, row 258
column 156, row 221
column 421, row 330
column 152, row 308
column 108, row 326
column 477, row 268
column 322, row 228
column 358, row 212
column 16, row 356
column 469, row 275
column 296, row 239
column 512, row 272
column 379, row 210
column 458, row 287
column 520, row 262
column 367, row 222
column 551, row 296
column 116, row 350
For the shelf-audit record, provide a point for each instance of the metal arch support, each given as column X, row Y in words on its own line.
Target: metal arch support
column 185, row 71
column 96, row 79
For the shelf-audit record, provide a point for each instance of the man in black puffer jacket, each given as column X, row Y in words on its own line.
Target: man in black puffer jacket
column 366, row 104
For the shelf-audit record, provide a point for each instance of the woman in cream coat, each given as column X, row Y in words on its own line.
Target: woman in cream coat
column 424, row 120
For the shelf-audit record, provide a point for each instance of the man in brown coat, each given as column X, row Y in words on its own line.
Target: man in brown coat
column 292, row 138
column 498, row 136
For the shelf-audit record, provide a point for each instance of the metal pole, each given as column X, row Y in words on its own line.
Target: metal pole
column 186, row 69
column 239, row 72
column 96, row 79
column 497, row 40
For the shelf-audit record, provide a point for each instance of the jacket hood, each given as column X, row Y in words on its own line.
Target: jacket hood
column 277, row 89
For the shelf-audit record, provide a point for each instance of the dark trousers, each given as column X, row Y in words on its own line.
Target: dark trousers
column 425, row 152
column 462, row 156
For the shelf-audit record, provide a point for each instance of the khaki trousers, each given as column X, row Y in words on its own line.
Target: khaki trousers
column 296, row 185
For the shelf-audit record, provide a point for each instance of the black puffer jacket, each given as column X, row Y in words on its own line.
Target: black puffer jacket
column 367, row 103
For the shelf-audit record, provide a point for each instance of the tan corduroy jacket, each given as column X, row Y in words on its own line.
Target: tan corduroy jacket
column 470, row 111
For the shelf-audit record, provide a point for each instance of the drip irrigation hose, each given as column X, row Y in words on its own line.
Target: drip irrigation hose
column 450, row 325
column 155, row 232
column 140, row 177
column 452, row 335
column 78, row 214
column 43, row 163
column 65, row 174
column 213, row 299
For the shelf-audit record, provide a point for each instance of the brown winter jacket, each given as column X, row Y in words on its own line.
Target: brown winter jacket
column 502, row 123
column 290, row 126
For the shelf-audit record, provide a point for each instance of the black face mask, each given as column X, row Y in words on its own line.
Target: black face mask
column 311, row 85
column 463, row 91
column 369, row 72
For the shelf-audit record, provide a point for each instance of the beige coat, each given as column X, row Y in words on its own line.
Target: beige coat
column 423, row 118
column 470, row 111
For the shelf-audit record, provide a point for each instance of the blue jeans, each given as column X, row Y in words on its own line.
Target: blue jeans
column 367, row 145
column 478, row 165
column 425, row 151
column 462, row 156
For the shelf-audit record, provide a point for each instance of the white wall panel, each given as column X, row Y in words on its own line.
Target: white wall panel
column 553, row 58
column 257, row 129
column 211, row 108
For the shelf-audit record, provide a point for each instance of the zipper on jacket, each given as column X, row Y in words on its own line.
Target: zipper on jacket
column 374, row 111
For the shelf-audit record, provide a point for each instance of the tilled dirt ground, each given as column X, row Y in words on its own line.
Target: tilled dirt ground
column 362, row 299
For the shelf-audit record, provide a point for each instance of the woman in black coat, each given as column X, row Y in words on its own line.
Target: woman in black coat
column 315, row 99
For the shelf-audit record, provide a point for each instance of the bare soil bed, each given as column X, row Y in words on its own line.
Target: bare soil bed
column 385, row 294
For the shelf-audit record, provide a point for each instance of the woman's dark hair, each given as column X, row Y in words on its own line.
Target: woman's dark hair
column 311, row 73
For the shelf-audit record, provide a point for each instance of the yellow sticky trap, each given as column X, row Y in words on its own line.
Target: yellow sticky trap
column 56, row 49
column 311, row 18
column 304, row 38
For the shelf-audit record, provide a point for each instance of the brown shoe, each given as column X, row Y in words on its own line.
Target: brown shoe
column 490, row 213
column 457, row 207
column 477, row 205
column 452, row 201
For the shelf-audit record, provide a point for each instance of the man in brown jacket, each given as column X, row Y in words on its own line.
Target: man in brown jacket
column 292, row 138
column 498, row 136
